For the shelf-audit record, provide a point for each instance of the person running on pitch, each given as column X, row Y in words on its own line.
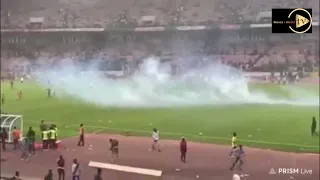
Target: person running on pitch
column 238, row 153
column 114, row 148
column 233, row 142
column 155, row 137
column 314, row 127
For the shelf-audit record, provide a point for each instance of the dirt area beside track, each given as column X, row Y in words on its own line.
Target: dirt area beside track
column 207, row 161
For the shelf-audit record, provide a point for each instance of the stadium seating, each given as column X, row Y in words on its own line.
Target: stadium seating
column 126, row 13
column 103, row 13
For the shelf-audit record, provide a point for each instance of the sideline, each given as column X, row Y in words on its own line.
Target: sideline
column 200, row 136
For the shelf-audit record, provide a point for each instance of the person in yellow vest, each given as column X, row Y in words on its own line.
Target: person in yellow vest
column 52, row 138
column 233, row 142
column 56, row 129
column 45, row 139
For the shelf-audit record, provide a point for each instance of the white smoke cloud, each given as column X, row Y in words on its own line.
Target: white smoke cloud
column 153, row 86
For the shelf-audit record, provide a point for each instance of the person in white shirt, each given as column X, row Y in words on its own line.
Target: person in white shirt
column 239, row 154
column 236, row 177
column 76, row 170
column 155, row 137
column 21, row 79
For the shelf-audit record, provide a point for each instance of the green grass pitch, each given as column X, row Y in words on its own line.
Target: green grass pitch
column 280, row 127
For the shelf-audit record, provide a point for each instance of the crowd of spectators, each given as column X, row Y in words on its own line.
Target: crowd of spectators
column 254, row 57
column 114, row 13
column 258, row 55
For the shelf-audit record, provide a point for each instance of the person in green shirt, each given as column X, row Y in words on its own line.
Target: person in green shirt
column 31, row 135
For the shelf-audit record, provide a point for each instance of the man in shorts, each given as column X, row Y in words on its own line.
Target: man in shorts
column 114, row 148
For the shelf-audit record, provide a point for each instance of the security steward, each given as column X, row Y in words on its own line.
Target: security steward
column 233, row 142
column 56, row 129
column 53, row 138
column 45, row 139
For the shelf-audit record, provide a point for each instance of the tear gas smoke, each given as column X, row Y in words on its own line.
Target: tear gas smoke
column 153, row 86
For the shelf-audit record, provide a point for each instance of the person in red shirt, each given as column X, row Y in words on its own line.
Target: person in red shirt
column 183, row 149
column 16, row 136
column 20, row 95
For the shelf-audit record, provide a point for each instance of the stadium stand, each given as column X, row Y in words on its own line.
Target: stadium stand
column 250, row 57
column 127, row 13
column 251, row 50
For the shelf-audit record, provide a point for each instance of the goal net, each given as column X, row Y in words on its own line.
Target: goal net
column 9, row 121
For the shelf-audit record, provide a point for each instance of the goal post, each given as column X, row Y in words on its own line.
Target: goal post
column 9, row 121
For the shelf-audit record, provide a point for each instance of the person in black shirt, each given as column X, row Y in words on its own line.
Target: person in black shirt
column 61, row 164
column 16, row 176
column 49, row 176
column 314, row 126
column 2, row 98
column 49, row 92
column 31, row 135
column 114, row 148
column 98, row 175
column 42, row 126
column 11, row 84
column 3, row 137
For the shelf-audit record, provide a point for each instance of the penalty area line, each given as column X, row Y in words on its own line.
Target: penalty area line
column 201, row 136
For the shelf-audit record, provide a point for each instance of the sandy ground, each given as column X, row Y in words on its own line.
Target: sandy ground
column 207, row 161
